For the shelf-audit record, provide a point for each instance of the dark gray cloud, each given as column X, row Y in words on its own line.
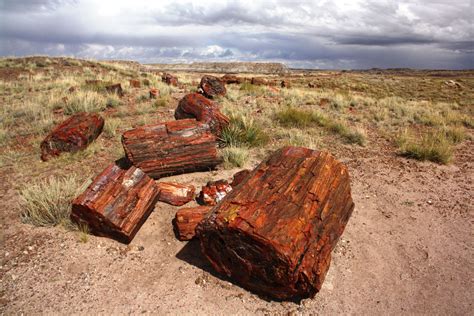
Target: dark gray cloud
column 321, row 34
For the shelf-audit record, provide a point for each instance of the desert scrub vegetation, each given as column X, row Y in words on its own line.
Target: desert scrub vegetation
column 434, row 145
column 111, row 126
column 244, row 131
column 234, row 156
column 48, row 202
column 85, row 101
column 296, row 137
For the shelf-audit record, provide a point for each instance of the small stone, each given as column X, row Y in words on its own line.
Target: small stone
column 140, row 248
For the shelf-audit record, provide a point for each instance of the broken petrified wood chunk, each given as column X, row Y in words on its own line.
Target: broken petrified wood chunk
column 231, row 79
column 187, row 219
column 169, row 79
column 212, row 86
column 72, row 135
column 213, row 192
column 115, row 89
column 135, row 83
column 117, row 202
column 175, row 193
column 172, row 148
column 154, row 93
column 275, row 232
column 194, row 105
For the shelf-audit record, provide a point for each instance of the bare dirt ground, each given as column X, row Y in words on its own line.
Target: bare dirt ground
column 407, row 249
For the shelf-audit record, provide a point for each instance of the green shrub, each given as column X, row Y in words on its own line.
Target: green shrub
column 292, row 117
column 243, row 131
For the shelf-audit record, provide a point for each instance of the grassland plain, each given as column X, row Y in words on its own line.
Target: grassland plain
column 405, row 135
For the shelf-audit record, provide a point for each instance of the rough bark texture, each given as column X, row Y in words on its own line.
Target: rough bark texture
column 187, row 219
column 175, row 193
column 169, row 79
column 72, row 135
column 172, row 148
column 117, row 202
column 213, row 192
column 231, row 79
column 239, row 177
column 275, row 232
column 194, row 105
column 212, row 86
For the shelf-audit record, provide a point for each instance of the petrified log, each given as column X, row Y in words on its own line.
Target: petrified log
column 72, row 135
column 187, row 219
column 213, row 192
column 115, row 89
column 275, row 232
column 169, row 79
column 175, row 193
column 172, row 148
column 194, row 105
column 231, row 79
column 212, row 86
column 135, row 83
column 239, row 177
column 117, row 202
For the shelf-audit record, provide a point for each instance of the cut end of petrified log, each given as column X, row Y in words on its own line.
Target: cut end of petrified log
column 187, row 219
column 117, row 203
column 274, row 233
column 72, row 135
column 212, row 86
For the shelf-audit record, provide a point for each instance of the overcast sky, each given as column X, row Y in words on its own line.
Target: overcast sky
column 311, row 34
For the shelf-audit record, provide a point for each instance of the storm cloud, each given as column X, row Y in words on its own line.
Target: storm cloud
column 311, row 34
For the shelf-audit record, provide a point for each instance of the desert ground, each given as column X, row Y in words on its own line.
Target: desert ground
column 405, row 135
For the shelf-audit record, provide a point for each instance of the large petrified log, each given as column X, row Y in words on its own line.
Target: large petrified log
column 187, row 219
column 175, row 193
column 275, row 232
column 117, row 202
column 172, row 148
column 231, row 79
column 212, row 86
column 72, row 135
column 194, row 105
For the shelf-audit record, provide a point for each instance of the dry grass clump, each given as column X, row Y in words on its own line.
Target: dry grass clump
column 234, row 156
column 48, row 202
column 85, row 101
column 110, row 127
column 434, row 146
column 244, row 131
column 296, row 137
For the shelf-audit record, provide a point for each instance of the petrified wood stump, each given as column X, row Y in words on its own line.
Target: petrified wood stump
column 187, row 219
column 172, row 148
column 72, row 135
column 212, row 86
column 275, row 232
column 175, row 193
column 194, row 105
column 117, row 202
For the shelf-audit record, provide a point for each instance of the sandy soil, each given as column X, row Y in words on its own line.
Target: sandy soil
column 407, row 249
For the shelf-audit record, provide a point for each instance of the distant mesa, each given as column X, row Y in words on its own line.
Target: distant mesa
column 221, row 67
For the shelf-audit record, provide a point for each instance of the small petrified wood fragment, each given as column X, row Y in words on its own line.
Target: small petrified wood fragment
column 213, row 192
column 134, row 83
column 72, row 135
column 154, row 93
column 175, row 193
column 187, row 219
column 169, row 79
column 194, row 105
column 115, row 89
column 275, row 232
column 172, row 148
column 212, row 86
column 117, row 202
column 231, row 79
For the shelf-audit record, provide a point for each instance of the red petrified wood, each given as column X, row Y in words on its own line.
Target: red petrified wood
column 172, row 147
column 212, row 86
column 169, row 79
column 72, row 135
column 117, row 202
column 134, row 83
column 175, row 193
column 115, row 89
column 213, row 192
column 275, row 232
column 194, row 105
column 187, row 219
column 231, row 79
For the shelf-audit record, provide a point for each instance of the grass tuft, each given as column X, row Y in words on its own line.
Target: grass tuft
column 234, row 157
column 244, row 131
column 432, row 146
column 48, row 202
column 85, row 101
